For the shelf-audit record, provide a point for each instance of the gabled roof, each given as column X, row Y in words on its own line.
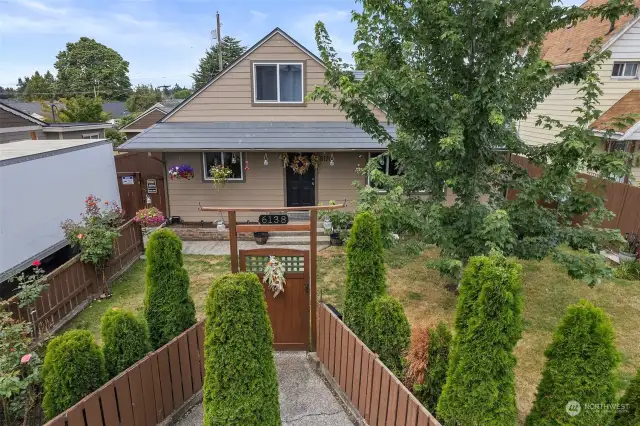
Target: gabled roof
column 628, row 104
column 21, row 114
column 568, row 45
column 157, row 107
column 250, row 50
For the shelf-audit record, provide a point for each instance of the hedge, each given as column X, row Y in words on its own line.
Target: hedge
column 580, row 366
column 73, row 368
column 240, row 386
column 168, row 307
column 629, row 413
column 125, row 340
column 480, row 386
column 435, row 374
column 387, row 332
column 365, row 270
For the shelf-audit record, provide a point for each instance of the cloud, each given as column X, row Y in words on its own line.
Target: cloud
column 338, row 24
column 38, row 7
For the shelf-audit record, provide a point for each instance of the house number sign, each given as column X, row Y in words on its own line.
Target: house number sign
column 273, row 219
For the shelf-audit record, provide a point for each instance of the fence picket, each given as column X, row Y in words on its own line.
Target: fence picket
column 109, row 406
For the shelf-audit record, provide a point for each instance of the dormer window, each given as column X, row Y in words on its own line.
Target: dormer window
column 625, row 70
column 278, row 83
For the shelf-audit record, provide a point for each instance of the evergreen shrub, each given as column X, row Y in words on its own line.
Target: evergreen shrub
column 125, row 340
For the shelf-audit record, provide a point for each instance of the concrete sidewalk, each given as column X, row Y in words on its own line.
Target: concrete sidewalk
column 221, row 248
column 305, row 399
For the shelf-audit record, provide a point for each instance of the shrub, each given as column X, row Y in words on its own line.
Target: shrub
column 73, row 368
column 240, row 385
column 629, row 413
column 480, row 385
column 628, row 271
column 435, row 374
column 387, row 332
column 580, row 367
column 365, row 270
column 125, row 340
column 417, row 357
column 168, row 307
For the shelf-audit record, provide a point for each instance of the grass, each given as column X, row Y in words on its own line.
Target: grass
column 426, row 300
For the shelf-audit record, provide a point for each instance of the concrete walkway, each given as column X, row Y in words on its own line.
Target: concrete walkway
column 220, row 248
column 305, row 399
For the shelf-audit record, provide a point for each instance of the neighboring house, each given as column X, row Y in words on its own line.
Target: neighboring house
column 115, row 109
column 147, row 119
column 18, row 125
column 247, row 118
column 619, row 76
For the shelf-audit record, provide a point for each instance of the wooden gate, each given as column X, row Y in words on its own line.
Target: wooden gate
column 289, row 311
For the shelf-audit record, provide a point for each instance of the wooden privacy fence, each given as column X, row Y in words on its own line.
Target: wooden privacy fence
column 373, row 390
column 147, row 392
column 76, row 282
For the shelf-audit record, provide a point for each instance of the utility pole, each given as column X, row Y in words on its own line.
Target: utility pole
column 219, row 42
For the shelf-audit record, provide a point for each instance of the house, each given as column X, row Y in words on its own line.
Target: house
column 254, row 119
column 116, row 109
column 148, row 118
column 18, row 125
column 619, row 76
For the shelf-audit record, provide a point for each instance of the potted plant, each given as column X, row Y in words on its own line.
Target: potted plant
column 149, row 218
column 629, row 248
column 336, row 224
column 182, row 171
column 220, row 174
column 261, row 238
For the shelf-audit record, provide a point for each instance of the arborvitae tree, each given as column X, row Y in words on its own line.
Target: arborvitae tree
column 209, row 65
column 628, row 413
column 240, row 385
column 168, row 307
column 435, row 373
column 480, row 386
column 125, row 340
column 365, row 270
column 581, row 362
column 387, row 332
column 73, row 368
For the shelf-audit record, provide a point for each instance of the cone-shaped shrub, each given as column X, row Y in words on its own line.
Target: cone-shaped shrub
column 480, row 386
column 580, row 366
column 168, row 307
column 365, row 270
column 387, row 332
column 125, row 340
column 73, row 368
column 628, row 413
column 435, row 374
column 240, row 385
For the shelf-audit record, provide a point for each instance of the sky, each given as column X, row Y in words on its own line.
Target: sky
column 162, row 40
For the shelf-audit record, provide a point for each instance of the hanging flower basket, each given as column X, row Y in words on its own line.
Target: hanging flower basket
column 274, row 272
column 183, row 171
column 220, row 174
column 300, row 164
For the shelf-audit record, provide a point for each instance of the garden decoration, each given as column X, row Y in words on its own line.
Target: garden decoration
column 336, row 224
column 315, row 160
column 183, row 171
column 274, row 275
column 331, row 160
column 149, row 218
column 220, row 174
column 266, row 159
column 300, row 164
column 246, row 165
column 285, row 159
column 629, row 249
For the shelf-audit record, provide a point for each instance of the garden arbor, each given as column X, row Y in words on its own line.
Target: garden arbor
column 293, row 312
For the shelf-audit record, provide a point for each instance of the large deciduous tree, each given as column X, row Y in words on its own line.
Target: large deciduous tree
column 91, row 68
column 455, row 78
column 208, row 67
column 142, row 98
column 80, row 109
column 39, row 87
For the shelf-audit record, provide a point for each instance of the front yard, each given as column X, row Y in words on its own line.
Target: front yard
column 426, row 299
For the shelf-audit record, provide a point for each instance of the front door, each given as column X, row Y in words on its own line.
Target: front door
column 301, row 188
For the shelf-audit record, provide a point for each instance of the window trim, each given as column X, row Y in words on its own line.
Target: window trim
column 624, row 66
column 204, row 166
column 95, row 135
column 255, row 102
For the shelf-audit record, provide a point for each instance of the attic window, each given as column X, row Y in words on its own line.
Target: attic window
column 278, row 83
column 625, row 70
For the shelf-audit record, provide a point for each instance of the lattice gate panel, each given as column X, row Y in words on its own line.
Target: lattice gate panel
column 256, row 264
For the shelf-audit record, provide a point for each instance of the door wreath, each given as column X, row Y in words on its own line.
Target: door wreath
column 300, row 164
column 274, row 275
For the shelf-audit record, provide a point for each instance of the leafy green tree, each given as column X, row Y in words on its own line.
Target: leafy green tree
column 366, row 278
column 168, row 307
column 73, row 368
column 480, row 386
column 208, row 67
column 182, row 94
column 125, row 120
column 581, row 363
column 125, row 340
column 240, row 385
column 387, row 332
column 79, row 109
column 142, row 98
column 455, row 80
column 87, row 67
column 629, row 412
column 115, row 137
column 435, row 373
column 40, row 87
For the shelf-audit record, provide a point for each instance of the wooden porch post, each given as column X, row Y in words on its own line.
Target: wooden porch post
column 313, row 229
column 233, row 240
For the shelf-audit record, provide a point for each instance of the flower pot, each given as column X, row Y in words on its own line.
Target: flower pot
column 261, row 237
column 624, row 256
column 335, row 239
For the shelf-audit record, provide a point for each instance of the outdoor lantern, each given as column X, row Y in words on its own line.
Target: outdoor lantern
column 331, row 161
column 233, row 159
column 221, row 226
column 326, row 224
column 266, row 159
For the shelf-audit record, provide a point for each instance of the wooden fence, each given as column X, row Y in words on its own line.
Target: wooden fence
column 147, row 392
column 76, row 282
column 373, row 390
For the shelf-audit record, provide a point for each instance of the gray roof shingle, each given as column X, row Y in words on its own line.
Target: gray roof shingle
column 254, row 135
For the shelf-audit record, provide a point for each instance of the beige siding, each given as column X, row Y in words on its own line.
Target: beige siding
column 336, row 183
column 563, row 99
column 229, row 98
column 8, row 119
column 146, row 121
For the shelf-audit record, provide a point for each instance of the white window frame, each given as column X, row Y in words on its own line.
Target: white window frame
column 91, row 135
column 278, row 101
column 204, row 165
column 624, row 66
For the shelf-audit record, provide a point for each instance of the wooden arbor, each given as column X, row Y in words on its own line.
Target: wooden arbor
column 309, row 274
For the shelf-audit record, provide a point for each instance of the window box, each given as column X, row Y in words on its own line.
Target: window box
column 278, row 83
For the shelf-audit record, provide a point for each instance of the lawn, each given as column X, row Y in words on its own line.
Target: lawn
column 427, row 299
